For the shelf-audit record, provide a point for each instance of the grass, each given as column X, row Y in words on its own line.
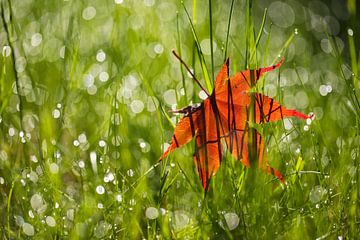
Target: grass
column 80, row 136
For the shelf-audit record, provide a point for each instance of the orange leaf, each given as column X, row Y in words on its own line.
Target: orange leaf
column 224, row 115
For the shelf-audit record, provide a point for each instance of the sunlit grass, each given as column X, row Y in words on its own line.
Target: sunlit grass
column 81, row 132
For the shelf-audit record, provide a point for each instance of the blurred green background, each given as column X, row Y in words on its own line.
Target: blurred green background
column 85, row 93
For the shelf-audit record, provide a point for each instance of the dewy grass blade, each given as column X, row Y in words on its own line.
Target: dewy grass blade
column 200, row 54
column 261, row 28
column 354, row 64
column 228, row 29
column 179, row 49
column 211, row 42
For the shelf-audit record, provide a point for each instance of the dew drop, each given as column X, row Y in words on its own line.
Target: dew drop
column 100, row 190
column 82, row 138
column 76, row 143
column 130, row 173
column 62, row 52
column 50, row 221
column 54, row 168
column 36, row 39
column 158, row 48
column 89, row 13
column 151, row 213
column 102, row 143
column 28, row 229
column 70, row 214
column 56, row 113
column 137, row 106
column 118, row 198
column 103, row 76
column 6, row 51
column 11, row 132
column 232, row 220
column 202, row 95
column 100, row 56
column 81, row 164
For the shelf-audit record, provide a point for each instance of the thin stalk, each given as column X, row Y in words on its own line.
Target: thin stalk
column 211, row 42
column 354, row 65
column 194, row 11
column 228, row 29
column 179, row 49
column 8, row 206
column 190, row 72
column 200, row 54
column 251, row 46
column 8, row 30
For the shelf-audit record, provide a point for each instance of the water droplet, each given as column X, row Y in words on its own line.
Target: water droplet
column 76, row 143
column 62, row 52
column 19, row 220
column 130, row 173
column 38, row 203
column 202, row 95
column 92, row 90
column 118, row 198
column 36, row 39
column 119, row 1
column 33, row 177
column 101, row 229
column 100, row 56
column 162, row 211
column 2, row 180
column 158, row 48
column 170, row 97
column 88, row 80
column 54, row 168
column 306, row 128
column 11, row 132
column 100, row 189
column 102, row 143
column 329, row 88
column 82, row 138
column 81, row 164
column 50, row 221
column 296, row 31
column 89, row 13
column 28, row 229
column 6, row 51
column 100, row 206
column 151, row 213
column 137, row 106
column 103, row 76
column 56, row 113
column 70, row 214
column 350, row 32
column 317, row 193
column 31, row 214
column 132, row 202
column 180, row 219
column 109, row 177
column 232, row 220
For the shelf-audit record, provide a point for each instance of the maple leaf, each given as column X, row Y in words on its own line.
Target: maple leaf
column 225, row 115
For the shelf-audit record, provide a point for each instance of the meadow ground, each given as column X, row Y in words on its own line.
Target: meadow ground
column 86, row 89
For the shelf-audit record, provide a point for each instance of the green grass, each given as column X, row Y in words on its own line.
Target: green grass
column 80, row 136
